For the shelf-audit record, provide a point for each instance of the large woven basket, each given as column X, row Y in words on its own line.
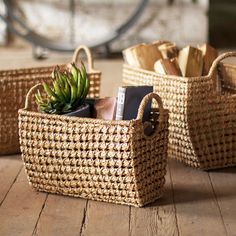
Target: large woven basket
column 202, row 124
column 14, row 85
column 112, row 161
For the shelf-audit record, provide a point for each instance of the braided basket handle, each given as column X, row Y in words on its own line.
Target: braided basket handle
column 218, row 60
column 144, row 103
column 29, row 95
column 88, row 54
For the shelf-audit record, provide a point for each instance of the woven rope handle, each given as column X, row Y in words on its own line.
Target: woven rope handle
column 144, row 103
column 218, row 60
column 29, row 94
column 88, row 53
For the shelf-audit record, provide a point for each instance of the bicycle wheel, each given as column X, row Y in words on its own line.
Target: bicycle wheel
column 61, row 25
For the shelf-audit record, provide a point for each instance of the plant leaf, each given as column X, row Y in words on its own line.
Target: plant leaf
column 49, row 91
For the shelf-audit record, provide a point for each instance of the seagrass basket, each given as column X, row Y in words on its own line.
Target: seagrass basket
column 14, row 85
column 112, row 161
column 202, row 110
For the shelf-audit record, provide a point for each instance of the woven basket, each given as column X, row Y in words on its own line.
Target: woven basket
column 14, row 85
column 202, row 124
column 112, row 161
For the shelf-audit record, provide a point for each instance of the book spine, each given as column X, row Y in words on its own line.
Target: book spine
column 120, row 103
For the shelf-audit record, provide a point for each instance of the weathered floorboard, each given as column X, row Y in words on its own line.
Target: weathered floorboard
column 157, row 219
column 196, row 206
column 61, row 216
column 106, row 219
column 21, row 208
column 10, row 167
column 224, row 185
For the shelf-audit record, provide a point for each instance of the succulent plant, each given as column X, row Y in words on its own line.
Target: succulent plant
column 68, row 91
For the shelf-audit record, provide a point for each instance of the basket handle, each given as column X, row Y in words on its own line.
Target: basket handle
column 29, row 94
column 218, row 60
column 144, row 103
column 88, row 54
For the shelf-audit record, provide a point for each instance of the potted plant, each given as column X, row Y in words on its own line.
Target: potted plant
column 67, row 93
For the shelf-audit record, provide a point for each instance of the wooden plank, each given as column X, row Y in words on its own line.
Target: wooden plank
column 61, row 216
column 196, row 206
column 21, row 208
column 106, row 219
column 158, row 218
column 224, row 185
column 10, row 167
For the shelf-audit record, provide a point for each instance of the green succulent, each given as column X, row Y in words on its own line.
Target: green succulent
column 68, row 91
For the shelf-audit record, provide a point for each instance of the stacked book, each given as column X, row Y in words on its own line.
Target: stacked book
column 123, row 107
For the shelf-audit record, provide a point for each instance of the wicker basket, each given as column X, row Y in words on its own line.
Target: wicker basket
column 14, row 85
column 202, row 125
column 112, row 161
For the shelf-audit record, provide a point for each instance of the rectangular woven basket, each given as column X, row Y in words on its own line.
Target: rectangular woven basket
column 202, row 124
column 112, row 161
column 14, row 85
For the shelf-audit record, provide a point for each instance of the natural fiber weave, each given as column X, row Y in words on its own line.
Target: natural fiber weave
column 14, row 85
column 110, row 161
column 202, row 124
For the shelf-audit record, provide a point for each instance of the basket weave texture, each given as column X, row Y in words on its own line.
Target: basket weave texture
column 112, row 161
column 14, row 85
column 202, row 123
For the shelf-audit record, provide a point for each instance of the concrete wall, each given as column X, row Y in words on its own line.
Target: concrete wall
column 184, row 21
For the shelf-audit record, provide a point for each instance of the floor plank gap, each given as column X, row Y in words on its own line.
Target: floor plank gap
column 40, row 213
column 173, row 196
column 84, row 219
column 195, row 204
column 130, row 209
column 11, row 186
column 217, row 203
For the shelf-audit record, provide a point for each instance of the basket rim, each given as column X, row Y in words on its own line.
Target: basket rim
column 64, row 117
column 175, row 77
column 21, row 74
column 82, row 119
column 30, row 68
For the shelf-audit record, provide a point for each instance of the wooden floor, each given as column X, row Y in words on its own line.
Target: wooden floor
column 195, row 202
